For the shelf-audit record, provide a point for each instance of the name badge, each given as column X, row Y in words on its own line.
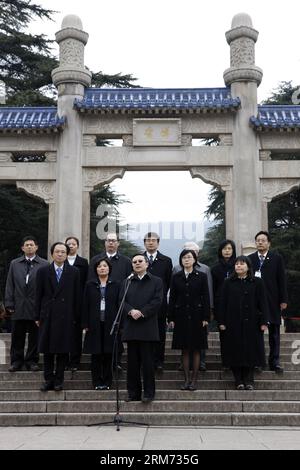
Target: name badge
column 102, row 305
column 257, row 274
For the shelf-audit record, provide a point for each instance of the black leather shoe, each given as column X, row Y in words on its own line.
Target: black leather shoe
column 32, row 367
column 160, row 368
column 128, row 399
column 258, row 370
column 147, row 399
column 46, row 387
column 15, row 368
column 249, row 387
column 58, row 388
column 278, row 370
column 202, row 368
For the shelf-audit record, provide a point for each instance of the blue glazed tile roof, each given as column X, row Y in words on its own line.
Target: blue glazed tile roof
column 151, row 99
column 276, row 117
column 13, row 118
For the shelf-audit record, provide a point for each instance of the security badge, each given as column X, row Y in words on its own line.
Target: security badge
column 258, row 274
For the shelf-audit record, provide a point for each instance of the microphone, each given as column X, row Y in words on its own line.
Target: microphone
column 130, row 276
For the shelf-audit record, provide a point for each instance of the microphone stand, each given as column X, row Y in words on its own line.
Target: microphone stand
column 118, row 420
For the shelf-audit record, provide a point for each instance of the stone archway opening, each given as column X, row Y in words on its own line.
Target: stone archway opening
column 170, row 203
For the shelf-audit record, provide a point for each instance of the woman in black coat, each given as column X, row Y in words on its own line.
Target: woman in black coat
column 243, row 317
column 100, row 307
column 219, row 272
column 189, row 314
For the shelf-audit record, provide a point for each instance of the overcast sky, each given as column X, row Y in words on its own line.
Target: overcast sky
column 172, row 43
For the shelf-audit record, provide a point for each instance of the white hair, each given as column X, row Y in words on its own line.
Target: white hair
column 191, row 246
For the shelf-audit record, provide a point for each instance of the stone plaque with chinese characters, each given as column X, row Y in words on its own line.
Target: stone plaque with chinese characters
column 156, row 132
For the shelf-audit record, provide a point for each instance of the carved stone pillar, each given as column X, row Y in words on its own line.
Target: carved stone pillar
column 70, row 77
column 243, row 77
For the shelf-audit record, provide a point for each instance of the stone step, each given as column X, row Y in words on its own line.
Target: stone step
column 166, row 406
column 277, row 384
column 169, row 365
column 110, row 406
column 166, row 375
column 96, row 395
column 154, row 419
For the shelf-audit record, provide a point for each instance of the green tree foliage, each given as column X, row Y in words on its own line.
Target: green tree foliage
column 25, row 59
column 216, row 233
column 282, row 94
column 105, row 205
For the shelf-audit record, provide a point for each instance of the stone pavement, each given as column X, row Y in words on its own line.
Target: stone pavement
column 143, row 438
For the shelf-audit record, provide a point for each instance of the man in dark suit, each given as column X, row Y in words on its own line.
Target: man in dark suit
column 140, row 328
column 270, row 267
column 19, row 301
column 57, row 313
column 121, row 269
column 83, row 266
column 161, row 266
column 121, row 265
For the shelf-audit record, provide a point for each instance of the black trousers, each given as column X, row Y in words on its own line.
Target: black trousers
column 243, row 375
column 159, row 348
column 274, row 343
column 140, row 355
column 56, row 376
column 75, row 356
column 101, row 369
column 18, row 337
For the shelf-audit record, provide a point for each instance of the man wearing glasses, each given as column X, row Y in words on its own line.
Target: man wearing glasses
column 140, row 328
column 121, row 265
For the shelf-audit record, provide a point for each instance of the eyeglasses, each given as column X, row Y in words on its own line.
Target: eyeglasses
column 138, row 261
column 109, row 240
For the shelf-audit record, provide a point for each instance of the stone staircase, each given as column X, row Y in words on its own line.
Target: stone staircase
column 274, row 402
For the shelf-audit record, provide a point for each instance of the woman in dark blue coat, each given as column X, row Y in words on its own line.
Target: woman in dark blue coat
column 189, row 314
column 243, row 318
column 100, row 307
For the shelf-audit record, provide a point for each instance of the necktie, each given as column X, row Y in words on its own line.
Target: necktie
column 58, row 274
column 261, row 260
column 28, row 266
column 150, row 260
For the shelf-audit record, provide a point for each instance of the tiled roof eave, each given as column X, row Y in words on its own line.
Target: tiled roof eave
column 32, row 129
column 156, row 109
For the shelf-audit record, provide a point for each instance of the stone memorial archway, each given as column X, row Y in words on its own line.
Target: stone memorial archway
column 157, row 127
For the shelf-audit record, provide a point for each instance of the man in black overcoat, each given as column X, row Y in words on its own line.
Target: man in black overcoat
column 19, row 301
column 57, row 314
column 83, row 266
column 140, row 328
column 161, row 266
column 269, row 266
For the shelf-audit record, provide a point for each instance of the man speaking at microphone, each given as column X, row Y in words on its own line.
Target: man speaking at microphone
column 140, row 328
